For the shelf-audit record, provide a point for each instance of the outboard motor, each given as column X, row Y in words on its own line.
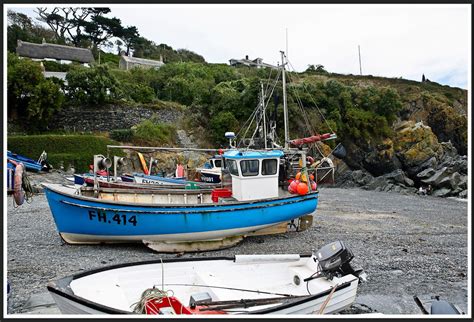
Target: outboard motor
column 334, row 260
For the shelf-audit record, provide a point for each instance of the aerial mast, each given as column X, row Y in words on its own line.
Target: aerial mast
column 285, row 108
column 262, row 102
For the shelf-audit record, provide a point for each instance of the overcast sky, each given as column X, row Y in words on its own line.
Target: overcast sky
column 395, row 40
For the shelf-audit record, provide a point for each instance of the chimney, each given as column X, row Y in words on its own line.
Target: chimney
column 247, row 57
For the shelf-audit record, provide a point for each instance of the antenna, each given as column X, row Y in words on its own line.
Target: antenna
column 360, row 63
column 286, row 42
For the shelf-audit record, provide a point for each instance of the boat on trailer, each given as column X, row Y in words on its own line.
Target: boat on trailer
column 323, row 282
column 172, row 220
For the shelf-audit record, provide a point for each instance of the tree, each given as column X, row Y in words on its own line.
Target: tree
column 221, row 123
column 316, row 69
column 423, row 79
column 130, row 38
column 101, row 29
column 21, row 27
column 93, row 86
column 81, row 26
column 31, row 98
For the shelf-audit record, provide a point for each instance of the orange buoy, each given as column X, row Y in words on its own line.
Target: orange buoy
column 311, row 177
column 301, row 176
column 302, row 188
column 18, row 193
column 292, row 187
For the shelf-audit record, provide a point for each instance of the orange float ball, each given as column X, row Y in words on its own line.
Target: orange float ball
column 311, row 177
column 298, row 176
column 292, row 188
column 302, row 188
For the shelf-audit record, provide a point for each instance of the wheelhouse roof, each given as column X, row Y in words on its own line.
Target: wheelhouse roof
column 236, row 154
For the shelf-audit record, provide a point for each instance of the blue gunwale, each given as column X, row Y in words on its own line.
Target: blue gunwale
column 297, row 198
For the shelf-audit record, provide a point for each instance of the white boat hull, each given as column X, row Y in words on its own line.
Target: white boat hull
column 115, row 290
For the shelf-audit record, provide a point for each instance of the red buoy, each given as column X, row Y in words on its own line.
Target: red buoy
column 302, row 188
column 293, row 186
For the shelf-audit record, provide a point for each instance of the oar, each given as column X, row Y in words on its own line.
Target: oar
column 221, row 305
column 232, row 288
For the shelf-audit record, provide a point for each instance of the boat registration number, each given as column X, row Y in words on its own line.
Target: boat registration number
column 119, row 219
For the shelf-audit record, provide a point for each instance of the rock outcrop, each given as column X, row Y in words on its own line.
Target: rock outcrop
column 423, row 162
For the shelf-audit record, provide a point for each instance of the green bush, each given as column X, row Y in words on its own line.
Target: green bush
column 77, row 150
column 141, row 93
column 221, row 123
column 92, row 86
column 52, row 66
column 151, row 133
column 31, row 97
column 122, row 135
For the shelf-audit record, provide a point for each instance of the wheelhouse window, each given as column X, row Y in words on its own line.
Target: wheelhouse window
column 269, row 167
column 232, row 167
column 249, row 168
column 217, row 163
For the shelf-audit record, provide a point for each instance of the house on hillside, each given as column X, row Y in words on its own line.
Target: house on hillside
column 52, row 52
column 60, row 53
column 257, row 63
column 128, row 62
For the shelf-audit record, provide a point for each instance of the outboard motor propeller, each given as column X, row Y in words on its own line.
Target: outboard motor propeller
column 334, row 260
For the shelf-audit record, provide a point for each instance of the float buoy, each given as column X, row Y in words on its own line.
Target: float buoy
column 292, row 187
column 302, row 188
column 314, row 185
column 301, row 176
column 18, row 193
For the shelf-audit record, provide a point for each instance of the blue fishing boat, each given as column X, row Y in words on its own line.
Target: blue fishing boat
column 172, row 216
column 30, row 164
column 153, row 179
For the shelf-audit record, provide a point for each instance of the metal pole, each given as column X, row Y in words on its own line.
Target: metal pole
column 360, row 63
column 285, row 108
column 160, row 148
column 262, row 101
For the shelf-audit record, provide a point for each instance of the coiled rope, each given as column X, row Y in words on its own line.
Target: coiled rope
column 152, row 295
column 27, row 187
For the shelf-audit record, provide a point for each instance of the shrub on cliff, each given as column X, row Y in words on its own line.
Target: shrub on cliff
column 155, row 134
column 92, row 86
column 31, row 97
column 221, row 123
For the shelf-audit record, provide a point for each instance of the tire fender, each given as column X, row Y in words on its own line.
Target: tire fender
column 18, row 193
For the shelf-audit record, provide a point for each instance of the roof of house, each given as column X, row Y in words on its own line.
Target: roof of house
column 249, row 62
column 45, row 50
column 142, row 61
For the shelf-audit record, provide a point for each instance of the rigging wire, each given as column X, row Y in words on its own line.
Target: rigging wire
column 314, row 102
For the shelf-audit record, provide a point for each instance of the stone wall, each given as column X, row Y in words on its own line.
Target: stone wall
column 109, row 117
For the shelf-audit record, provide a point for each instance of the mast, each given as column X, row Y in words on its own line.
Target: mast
column 264, row 118
column 285, row 108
